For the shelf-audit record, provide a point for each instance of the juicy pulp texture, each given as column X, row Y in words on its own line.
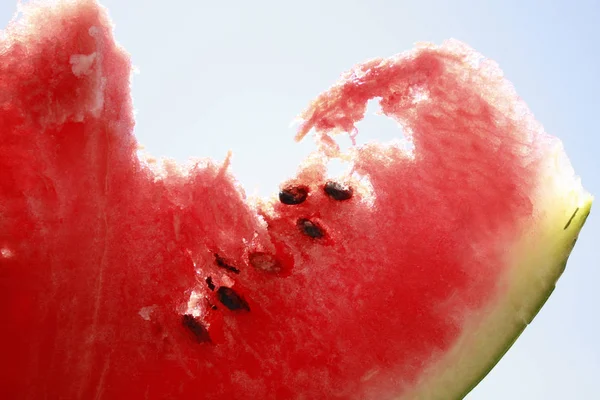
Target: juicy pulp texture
column 123, row 278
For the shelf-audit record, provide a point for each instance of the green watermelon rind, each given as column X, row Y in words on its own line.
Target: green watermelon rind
column 562, row 249
column 518, row 334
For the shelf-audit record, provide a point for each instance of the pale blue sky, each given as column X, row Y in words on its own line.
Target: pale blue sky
column 232, row 75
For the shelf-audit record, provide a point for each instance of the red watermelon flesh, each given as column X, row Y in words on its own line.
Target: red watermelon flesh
column 123, row 277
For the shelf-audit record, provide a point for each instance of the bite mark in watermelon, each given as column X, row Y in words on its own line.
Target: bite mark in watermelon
column 125, row 277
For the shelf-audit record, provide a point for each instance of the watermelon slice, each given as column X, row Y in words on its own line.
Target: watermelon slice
column 123, row 277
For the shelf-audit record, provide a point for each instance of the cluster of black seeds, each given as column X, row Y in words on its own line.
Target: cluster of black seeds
column 294, row 195
column 227, row 296
column 291, row 195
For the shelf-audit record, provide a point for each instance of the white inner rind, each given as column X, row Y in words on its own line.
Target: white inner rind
column 534, row 263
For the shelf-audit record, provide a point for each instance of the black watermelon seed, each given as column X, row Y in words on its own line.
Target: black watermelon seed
column 338, row 191
column 223, row 264
column 230, row 299
column 293, row 195
column 196, row 327
column 309, row 228
column 210, row 283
